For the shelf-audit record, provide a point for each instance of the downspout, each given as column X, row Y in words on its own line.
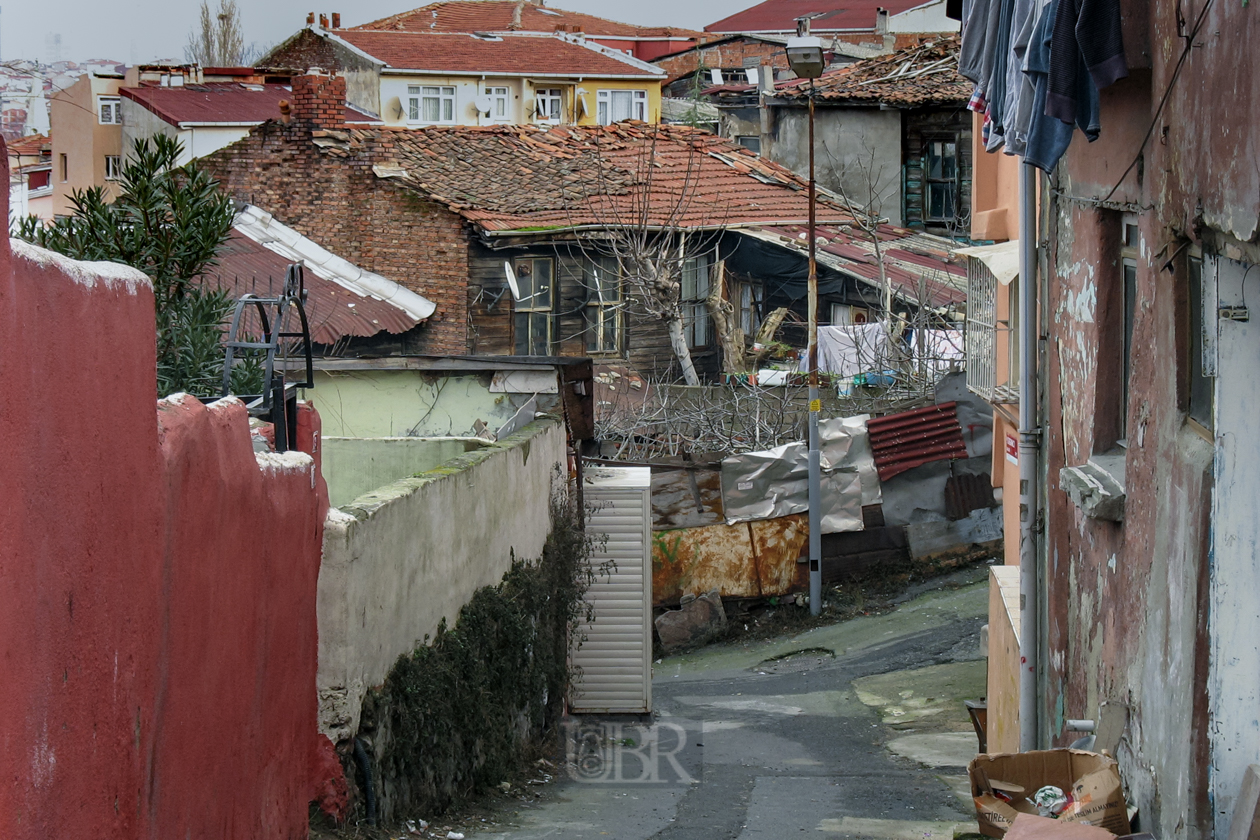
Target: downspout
column 1029, row 453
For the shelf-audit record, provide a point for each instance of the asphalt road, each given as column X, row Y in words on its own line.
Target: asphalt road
column 854, row 730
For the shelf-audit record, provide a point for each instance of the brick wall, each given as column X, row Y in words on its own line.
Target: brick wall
column 329, row 193
column 303, row 51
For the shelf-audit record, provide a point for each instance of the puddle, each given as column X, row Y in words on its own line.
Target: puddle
column 795, row 662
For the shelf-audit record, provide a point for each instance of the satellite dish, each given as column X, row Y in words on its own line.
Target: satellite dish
column 483, row 103
column 511, row 281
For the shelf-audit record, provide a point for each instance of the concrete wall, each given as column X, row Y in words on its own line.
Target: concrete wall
column 157, row 621
column 78, row 134
column 139, row 123
column 854, row 148
column 400, row 560
column 408, row 403
column 354, row 466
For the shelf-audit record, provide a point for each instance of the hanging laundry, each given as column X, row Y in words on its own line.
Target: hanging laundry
column 1086, row 39
column 1049, row 137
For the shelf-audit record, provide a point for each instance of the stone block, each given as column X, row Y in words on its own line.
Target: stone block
column 1097, row 487
column 696, row 621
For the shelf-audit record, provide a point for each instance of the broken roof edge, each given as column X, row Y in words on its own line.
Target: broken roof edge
column 261, row 227
column 1001, row 259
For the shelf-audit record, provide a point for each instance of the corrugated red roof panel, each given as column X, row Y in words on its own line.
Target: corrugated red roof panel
column 220, row 102
column 833, row 15
column 901, row 442
column 334, row 312
column 497, row 16
column 462, row 53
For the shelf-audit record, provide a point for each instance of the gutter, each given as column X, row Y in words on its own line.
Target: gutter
column 1029, row 466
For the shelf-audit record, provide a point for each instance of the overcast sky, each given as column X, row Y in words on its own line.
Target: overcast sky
column 143, row 30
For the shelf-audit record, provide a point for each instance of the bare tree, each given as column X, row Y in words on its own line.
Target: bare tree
column 639, row 223
column 218, row 39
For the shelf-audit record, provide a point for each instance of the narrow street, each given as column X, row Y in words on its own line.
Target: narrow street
column 857, row 729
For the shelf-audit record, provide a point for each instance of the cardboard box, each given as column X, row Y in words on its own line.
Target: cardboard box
column 1031, row 827
column 1092, row 780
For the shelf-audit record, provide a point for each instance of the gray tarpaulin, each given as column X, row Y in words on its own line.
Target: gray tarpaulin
column 775, row 482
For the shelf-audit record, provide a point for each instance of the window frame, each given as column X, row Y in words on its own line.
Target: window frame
column 534, row 307
column 751, row 142
column 64, row 162
column 555, row 95
column 603, row 335
column 445, row 95
column 114, row 104
column 500, row 95
column 697, row 322
column 953, row 182
column 116, row 161
column 749, row 304
column 1129, row 253
column 604, row 105
column 984, row 335
column 1199, row 370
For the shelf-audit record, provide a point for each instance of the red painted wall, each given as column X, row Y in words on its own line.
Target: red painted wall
column 157, row 588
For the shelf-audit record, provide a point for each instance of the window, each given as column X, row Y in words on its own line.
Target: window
column 109, row 109
column 65, row 168
column 941, row 171
column 113, row 167
column 842, row 315
column 603, row 306
column 695, row 291
column 533, row 311
column 549, row 105
column 617, row 105
column 41, row 179
column 1201, row 391
column 751, row 142
column 1128, row 262
column 430, row 104
column 500, row 103
column 992, row 321
column 748, row 296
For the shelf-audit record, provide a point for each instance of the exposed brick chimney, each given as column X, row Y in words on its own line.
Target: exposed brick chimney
column 319, row 99
column 336, row 20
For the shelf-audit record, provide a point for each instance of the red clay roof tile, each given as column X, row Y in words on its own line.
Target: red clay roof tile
column 496, row 16
column 832, row 15
column 220, row 102
column 925, row 74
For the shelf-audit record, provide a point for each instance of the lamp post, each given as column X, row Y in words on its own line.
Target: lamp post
column 805, row 55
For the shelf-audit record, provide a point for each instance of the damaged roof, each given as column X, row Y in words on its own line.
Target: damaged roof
column 532, row 53
column 220, row 103
column 914, row 77
column 827, row 15
column 497, row 16
column 531, row 178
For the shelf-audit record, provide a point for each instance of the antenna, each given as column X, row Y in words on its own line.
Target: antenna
column 511, row 281
column 483, row 103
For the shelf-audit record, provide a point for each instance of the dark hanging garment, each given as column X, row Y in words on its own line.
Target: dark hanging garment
column 1086, row 33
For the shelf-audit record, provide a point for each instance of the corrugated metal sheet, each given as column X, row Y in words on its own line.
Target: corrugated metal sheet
column 747, row 560
column 334, row 312
column 615, row 657
column 907, row 440
column 965, row 493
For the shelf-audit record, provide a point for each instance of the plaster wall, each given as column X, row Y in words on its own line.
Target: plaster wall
column 408, row 403
column 857, row 151
column 354, row 466
column 402, row 559
column 139, row 122
column 78, row 134
column 157, row 622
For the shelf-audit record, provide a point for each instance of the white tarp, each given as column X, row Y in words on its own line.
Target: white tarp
column 1001, row 259
column 850, row 349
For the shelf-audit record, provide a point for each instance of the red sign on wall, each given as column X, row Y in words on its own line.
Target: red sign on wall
column 1012, row 449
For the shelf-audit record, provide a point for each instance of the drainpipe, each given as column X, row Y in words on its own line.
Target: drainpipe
column 1029, row 453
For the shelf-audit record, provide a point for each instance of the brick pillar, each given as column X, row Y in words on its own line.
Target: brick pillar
column 319, row 99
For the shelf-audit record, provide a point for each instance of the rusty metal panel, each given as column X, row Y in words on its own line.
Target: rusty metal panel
column 907, row 440
column 746, row 560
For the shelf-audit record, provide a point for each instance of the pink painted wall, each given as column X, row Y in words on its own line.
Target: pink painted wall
column 157, row 610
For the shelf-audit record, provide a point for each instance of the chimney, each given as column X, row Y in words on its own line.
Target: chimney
column 336, row 20
column 516, row 15
column 286, row 112
column 310, row 18
column 881, row 21
column 319, row 99
column 323, row 21
column 765, row 78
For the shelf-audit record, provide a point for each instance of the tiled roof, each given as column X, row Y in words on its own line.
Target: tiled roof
column 496, row 16
column 30, row 145
column 220, row 102
column 909, row 257
column 832, row 15
column 506, row 178
column 516, row 53
column 926, row 74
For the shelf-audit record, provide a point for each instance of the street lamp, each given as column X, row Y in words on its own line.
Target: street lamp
column 805, row 55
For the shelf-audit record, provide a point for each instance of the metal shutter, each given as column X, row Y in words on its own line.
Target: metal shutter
column 616, row 657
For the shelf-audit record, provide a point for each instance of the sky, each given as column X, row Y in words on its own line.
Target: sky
column 134, row 31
